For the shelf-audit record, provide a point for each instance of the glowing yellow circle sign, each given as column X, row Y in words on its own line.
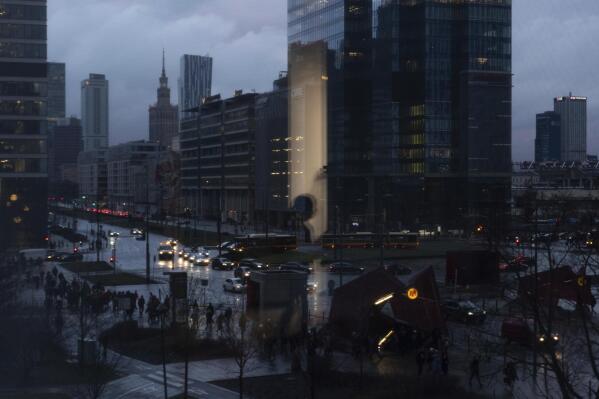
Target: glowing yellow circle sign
column 581, row 281
column 413, row 293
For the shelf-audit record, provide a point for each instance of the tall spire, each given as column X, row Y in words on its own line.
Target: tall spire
column 163, row 71
column 164, row 93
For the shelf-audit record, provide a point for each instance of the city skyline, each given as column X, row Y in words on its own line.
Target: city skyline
column 548, row 60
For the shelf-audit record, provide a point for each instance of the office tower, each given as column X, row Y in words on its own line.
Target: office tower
column 195, row 82
column 56, row 91
column 64, row 145
column 164, row 117
column 94, row 112
column 548, row 138
column 23, row 124
column 573, row 113
column 418, row 108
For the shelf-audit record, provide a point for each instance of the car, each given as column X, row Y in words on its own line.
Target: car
column 520, row 330
column 242, row 272
column 74, row 257
column 173, row 243
column 56, row 257
column 345, row 268
column 296, row 267
column 233, row 285
column 137, row 232
column 113, row 234
column 464, row 312
column 253, row 264
column 165, row 252
column 200, row 259
column 397, row 269
column 222, row 264
column 311, row 286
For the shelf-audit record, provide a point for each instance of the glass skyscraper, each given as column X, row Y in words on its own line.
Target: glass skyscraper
column 419, row 107
column 95, row 112
column 195, row 83
column 23, row 124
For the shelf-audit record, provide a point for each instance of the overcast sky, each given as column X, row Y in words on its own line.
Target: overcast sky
column 555, row 51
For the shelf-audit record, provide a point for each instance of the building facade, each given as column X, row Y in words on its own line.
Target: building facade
column 195, row 82
column 226, row 148
column 573, row 113
column 56, row 91
column 92, row 175
column 123, row 163
column 273, row 160
column 417, row 108
column 64, row 146
column 548, row 137
column 164, row 117
column 94, row 112
column 190, row 168
column 23, row 124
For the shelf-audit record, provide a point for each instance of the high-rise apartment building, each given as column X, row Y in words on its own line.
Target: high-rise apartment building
column 94, row 112
column 548, row 137
column 417, row 108
column 573, row 113
column 164, row 117
column 195, row 83
column 23, row 124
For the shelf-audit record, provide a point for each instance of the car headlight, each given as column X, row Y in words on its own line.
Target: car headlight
column 542, row 338
column 470, row 314
column 556, row 337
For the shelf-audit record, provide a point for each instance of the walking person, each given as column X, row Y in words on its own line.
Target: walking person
column 209, row 315
column 141, row 303
column 475, row 371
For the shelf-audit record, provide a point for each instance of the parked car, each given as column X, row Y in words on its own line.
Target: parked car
column 296, row 267
column 521, row 331
column 345, row 268
column 113, row 234
column 222, row 264
column 253, row 264
column 398, row 269
column 233, row 285
column 464, row 312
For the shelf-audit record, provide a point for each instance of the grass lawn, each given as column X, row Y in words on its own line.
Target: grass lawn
column 118, row 278
column 337, row 385
column 86, row 267
column 145, row 344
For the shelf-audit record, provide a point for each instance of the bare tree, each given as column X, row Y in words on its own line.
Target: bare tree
column 244, row 347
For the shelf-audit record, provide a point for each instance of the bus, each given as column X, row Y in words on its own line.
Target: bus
column 272, row 242
column 370, row 240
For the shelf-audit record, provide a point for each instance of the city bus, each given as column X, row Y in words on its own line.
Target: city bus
column 272, row 242
column 370, row 240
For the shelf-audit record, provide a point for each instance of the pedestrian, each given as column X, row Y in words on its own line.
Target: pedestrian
column 475, row 371
column 209, row 315
column 228, row 317
column 510, row 376
column 420, row 359
column 445, row 363
column 141, row 303
column 59, row 323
